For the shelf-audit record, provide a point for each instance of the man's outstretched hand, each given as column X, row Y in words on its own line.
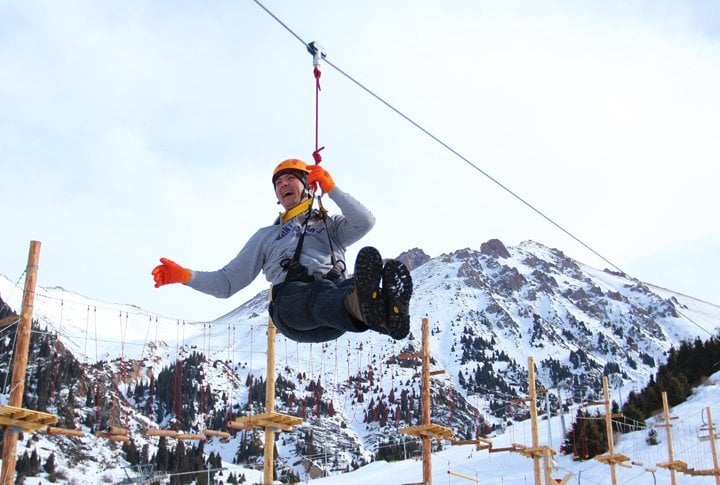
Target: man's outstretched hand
column 169, row 272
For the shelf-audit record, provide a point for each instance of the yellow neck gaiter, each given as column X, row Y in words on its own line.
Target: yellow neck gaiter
column 297, row 210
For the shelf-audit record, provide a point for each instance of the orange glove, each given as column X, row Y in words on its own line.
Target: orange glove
column 320, row 176
column 170, row 272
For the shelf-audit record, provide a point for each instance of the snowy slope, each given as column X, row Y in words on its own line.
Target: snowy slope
column 489, row 310
column 506, row 468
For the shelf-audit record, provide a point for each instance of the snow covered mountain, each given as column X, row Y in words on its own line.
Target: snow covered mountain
column 489, row 309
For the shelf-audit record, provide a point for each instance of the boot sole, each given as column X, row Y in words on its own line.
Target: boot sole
column 397, row 288
column 368, row 274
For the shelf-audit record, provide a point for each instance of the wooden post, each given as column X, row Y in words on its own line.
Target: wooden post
column 270, row 421
column 22, row 344
column 609, row 430
column 425, row 400
column 533, row 418
column 611, row 458
column 547, row 464
column 716, row 470
column 668, row 433
column 426, row 430
column 269, row 451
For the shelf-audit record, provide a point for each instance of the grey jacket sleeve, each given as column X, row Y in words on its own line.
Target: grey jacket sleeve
column 237, row 274
column 356, row 222
column 267, row 248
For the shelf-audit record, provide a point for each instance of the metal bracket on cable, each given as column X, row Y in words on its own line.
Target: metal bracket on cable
column 317, row 52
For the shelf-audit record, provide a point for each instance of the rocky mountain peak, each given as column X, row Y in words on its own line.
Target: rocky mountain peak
column 494, row 248
column 413, row 258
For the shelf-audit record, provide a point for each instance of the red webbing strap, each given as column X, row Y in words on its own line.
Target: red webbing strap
column 316, row 153
column 317, row 53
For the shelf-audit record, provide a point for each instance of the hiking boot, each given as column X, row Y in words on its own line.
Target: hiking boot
column 397, row 290
column 367, row 293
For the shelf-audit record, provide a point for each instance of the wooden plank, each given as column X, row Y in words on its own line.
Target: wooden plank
column 270, row 424
column 216, row 434
column 462, row 475
column 699, row 473
column 169, row 433
column 65, row 432
column 239, row 423
column 190, row 437
column 25, row 419
column 284, row 422
column 9, row 320
column 535, row 451
column 503, row 449
column 674, row 465
column 616, row 459
column 429, row 430
column 10, row 423
column 113, row 437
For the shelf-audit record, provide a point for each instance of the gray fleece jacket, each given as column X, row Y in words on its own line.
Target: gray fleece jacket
column 270, row 245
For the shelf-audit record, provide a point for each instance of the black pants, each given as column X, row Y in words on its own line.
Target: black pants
column 313, row 312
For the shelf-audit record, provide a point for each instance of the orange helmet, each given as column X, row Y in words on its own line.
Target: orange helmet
column 294, row 166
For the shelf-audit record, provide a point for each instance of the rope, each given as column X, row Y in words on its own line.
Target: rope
column 230, row 358
column 123, row 336
column 177, row 391
column 11, row 357
column 317, row 53
column 97, row 371
column 251, row 375
column 56, row 364
column 6, row 383
column 152, row 374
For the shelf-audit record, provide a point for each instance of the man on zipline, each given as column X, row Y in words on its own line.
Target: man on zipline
column 302, row 255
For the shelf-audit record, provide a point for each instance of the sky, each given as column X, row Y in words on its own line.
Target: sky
column 135, row 130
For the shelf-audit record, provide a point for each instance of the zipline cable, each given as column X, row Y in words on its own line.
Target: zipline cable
column 311, row 47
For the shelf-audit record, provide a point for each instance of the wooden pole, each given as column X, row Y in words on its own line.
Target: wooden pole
column 547, row 465
column 22, row 345
column 668, row 433
column 609, row 430
column 716, row 470
column 425, row 399
column 269, row 451
column 533, row 418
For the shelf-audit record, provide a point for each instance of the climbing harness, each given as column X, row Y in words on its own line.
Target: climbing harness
column 298, row 272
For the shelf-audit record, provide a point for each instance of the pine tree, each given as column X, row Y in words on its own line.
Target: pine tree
column 49, row 467
column 34, row 462
column 587, row 436
column 162, row 458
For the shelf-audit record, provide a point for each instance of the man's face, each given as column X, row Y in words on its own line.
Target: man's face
column 289, row 190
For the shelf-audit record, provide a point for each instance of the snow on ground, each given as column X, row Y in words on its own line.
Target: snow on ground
column 507, row 468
